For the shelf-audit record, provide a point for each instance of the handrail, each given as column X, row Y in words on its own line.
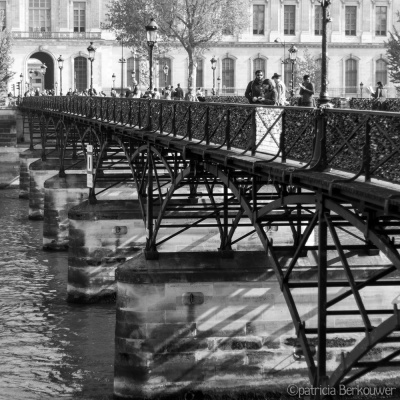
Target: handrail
column 343, row 139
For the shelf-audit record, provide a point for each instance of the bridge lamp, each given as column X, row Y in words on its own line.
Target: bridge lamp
column 113, row 80
column 361, row 88
column 92, row 51
column 292, row 57
column 20, row 83
column 43, row 69
column 60, row 61
column 166, row 69
column 213, row 67
column 122, row 60
column 151, row 33
column 30, row 77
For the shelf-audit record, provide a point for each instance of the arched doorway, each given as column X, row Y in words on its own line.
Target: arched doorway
column 38, row 80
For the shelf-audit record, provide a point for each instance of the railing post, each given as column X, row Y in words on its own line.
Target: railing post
column 160, row 119
column 149, row 116
column 367, row 152
column 207, row 126
column 319, row 161
column 282, row 141
column 140, row 115
column 253, row 132
column 174, row 119
column 189, row 123
column 228, row 129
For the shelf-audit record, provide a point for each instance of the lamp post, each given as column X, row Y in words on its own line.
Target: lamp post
column 213, row 67
column 122, row 61
column 278, row 40
column 113, row 80
column 219, row 81
column 361, row 88
column 20, row 84
column 324, row 96
column 43, row 68
column 30, row 78
column 292, row 57
column 91, row 50
column 60, row 61
column 151, row 32
column 166, row 69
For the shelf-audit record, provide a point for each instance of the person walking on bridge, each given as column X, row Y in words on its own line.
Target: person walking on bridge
column 307, row 92
column 254, row 90
column 280, row 89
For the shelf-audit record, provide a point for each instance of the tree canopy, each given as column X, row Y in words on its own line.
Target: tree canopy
column 309, row 65
column 393, row 54
column 193, row 24
column 6, row 61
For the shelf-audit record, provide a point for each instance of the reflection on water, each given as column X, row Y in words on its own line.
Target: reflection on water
column 48, row 348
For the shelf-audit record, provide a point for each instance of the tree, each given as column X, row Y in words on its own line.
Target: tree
column 6, row 60
column 194, row 24
column 393, row 54
column 309, row 65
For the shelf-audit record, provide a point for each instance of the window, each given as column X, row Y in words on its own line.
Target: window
column 161, row 76
column 39, row 16
column 3, row 15
column 318, row 21
column 351, row 76
column 79, row 17
column 80, row 73
column 259, row 64
column 381, row 72
column 199, row 73
column 258, row 19
column 289, row 20
column 351, row 21
column 381, row 18
column 228, row 75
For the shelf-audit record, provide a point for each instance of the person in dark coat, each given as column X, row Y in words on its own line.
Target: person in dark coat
column 254, row 90
column 307, row 92
column 270, row 94
column 128, row 92
column 378, row 92
column 178, row 92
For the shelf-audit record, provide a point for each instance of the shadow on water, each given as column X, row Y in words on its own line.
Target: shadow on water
column 48, row 348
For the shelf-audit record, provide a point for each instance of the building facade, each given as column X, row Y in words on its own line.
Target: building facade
column 45, row 29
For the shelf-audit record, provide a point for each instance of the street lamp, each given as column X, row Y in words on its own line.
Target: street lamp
column 278, row 40
column 361, row 88
column 20, row 84
column 30, row 77
column 213, row 67
column 133, row 75
column 113, row 79
column 166, row 69
column 122, row 60
column 60, row 61
column 219, row 81
column 43, row 68
column 151, row 32
column 292, row 57
column 91, row 50
column 324, row 96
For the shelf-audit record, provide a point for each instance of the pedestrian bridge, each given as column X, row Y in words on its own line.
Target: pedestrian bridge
column 245, row 170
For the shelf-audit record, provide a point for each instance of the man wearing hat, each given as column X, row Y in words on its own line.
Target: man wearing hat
column 280, row 88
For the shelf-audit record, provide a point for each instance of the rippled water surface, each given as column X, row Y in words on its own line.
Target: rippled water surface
column 48, row 348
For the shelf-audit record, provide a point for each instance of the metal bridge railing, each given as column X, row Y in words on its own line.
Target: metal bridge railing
column 361, row 142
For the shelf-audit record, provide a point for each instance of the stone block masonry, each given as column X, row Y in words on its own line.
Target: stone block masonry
column 197, row 322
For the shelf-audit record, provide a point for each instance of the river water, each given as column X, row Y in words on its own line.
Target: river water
column 49, row 349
